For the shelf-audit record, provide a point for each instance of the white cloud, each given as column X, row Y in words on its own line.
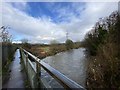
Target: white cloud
column 43, row 29
column 29, row 26
column 20, row 5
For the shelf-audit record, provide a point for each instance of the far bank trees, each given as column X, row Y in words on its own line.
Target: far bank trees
column 69, row 44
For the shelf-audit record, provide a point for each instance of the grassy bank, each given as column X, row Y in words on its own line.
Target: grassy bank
column 104, row 54
column 43, row 51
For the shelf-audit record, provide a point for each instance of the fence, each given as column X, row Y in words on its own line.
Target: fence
column 33, row 67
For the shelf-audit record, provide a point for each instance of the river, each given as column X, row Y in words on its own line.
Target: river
column 71, row 63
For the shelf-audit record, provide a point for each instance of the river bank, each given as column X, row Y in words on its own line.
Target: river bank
column 42, row 51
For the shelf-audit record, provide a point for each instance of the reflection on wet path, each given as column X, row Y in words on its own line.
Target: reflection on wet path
column 17, row 76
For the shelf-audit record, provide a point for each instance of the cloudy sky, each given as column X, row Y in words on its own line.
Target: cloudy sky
column 41, row 22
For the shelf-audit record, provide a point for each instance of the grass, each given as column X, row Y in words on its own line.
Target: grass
column 104, row 68
column 42, row 51
column 6, row 71
column 45, row 49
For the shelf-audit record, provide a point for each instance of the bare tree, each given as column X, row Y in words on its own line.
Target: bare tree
column 25, row 43
column 4, row 34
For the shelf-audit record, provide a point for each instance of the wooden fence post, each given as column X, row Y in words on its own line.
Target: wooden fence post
column 26, row 62
column 21, row 57
column 38, row 73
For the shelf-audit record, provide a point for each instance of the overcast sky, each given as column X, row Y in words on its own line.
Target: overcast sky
column 41, row 22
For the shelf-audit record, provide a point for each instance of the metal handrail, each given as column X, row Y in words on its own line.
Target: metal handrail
column 62, row 79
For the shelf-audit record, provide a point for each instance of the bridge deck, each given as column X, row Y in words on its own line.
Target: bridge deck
column 17, row 76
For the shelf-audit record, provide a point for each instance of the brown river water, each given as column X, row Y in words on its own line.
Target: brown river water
column 72, row 63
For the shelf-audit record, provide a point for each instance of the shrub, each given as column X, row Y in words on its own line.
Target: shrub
column 103, row 69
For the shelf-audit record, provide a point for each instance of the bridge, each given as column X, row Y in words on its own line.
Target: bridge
column 33, row 66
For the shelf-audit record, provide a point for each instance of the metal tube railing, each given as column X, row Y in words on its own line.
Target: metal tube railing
column 62, row 79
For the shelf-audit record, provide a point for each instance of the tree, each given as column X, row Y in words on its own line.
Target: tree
column 5, row 36
column 69, row 44
column 25, row 43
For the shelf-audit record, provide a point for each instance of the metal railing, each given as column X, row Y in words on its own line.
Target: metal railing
column 33, row 67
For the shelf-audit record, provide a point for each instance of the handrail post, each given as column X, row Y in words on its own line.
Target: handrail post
column 21, row 57
column 26, row 62
column 38, row 74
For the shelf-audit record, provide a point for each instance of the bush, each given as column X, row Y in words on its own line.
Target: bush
column 103, row 69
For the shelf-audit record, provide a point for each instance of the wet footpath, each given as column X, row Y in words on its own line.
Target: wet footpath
column 17, row 74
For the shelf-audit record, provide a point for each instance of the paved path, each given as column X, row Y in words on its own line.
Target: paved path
column 17, row 76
